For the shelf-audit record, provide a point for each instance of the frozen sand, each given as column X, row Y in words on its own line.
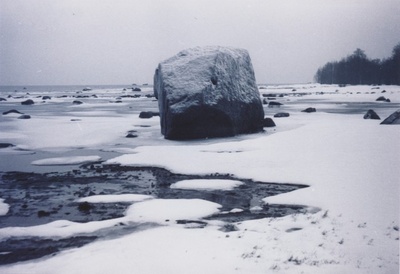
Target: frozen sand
column 349, row 163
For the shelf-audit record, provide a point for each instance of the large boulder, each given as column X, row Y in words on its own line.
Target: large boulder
column 393, row 119
column 208, row 92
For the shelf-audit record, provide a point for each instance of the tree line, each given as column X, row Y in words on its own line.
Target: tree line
column 358, row 69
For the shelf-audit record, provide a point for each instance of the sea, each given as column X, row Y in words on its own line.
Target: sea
column 63, row 88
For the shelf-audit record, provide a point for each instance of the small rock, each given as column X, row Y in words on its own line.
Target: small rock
column 309, row 110
column 77, row 102
column 371, row 114
column 12, row 111
column 274, row 104
column 136, row 89
column 46, row 98
column 148, row 114
column 84, row 207
column 24, row 116
column 381, row 98
column 229, row 228
column 131, row 135
column 2, row 99
column 393, row 119
column 281, row 114
column 27, row 102
column 387, row 100
column 5, row 145
column 269, row 95
column 268, row 122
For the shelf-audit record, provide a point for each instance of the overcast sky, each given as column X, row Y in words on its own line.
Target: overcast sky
column 49, row 42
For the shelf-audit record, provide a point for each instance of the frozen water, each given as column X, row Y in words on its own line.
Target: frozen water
column 350, row 164
column 204, row 184
column 66, row 160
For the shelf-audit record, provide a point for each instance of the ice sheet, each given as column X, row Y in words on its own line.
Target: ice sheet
column 204, row 184
column 73, row 160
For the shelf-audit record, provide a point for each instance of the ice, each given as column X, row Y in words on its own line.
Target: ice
column 119, row 198
column 204, row 184
column 73, row 160
column 3, row 207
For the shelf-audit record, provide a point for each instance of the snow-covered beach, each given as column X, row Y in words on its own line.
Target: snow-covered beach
column 350, row 217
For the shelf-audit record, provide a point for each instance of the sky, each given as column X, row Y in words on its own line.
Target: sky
column 76, row 42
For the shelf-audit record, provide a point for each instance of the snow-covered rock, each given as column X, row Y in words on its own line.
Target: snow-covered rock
column 393, row 119
column 208, row 92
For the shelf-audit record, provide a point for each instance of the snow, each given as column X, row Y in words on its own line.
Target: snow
column 58, row 132
column 350, row 165
column 203, row 184
column 58, row 229
column 3, row 207
column 160, row 210
column 73, row 160
column 117, row 198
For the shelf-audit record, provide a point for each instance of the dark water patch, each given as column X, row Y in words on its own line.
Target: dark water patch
column 40, row 198
column 18, row 249
column 23, row 249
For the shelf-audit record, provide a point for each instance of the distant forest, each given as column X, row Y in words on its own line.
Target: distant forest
column 358, row 69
